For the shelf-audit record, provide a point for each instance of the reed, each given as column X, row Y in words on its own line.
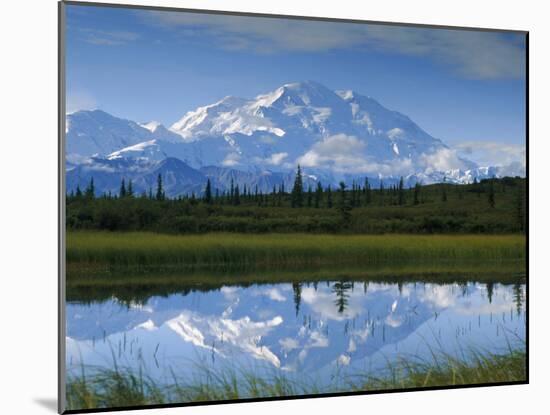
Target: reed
column 119, row 387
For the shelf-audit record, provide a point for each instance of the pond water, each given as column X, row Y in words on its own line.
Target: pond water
column 307, row 330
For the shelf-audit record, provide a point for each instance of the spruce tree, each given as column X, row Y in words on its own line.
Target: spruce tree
column 297, row 288
column 318, row 195
column 160, row 191
column 208, row 192
column 491, row 197
column 344, row 205
column 130, row 190
column 329, row 197
column 122, row 192
column 297, row 197
column 309, row 197
column 90, row 190
column 236, row 196
column 368, row 195
column 401, row 192
column 417, row 193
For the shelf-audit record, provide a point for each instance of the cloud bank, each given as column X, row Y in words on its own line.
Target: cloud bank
column 470, row 54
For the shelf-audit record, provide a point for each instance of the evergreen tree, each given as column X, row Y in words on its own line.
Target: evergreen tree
column 401, row 193
column 297, row 288
column 368, row 195
column 417, row 193
column 90, row 190
column 490, row 290
column 318, row 195
column 78, row 193
column 381, row 191
column 297, row 197
column 130, row 190
column 443, row 192
column 122, row 192
column 151, row 193
column 232, row 191
column 491, row 197
column 518, row 297
column 208, row 192
column 341, row 290
column 309, row 197
column 329, row 197
column 344, row 205
column 160, row 190
column 236, row 196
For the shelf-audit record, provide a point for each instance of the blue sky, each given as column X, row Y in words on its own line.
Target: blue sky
column 464, row 87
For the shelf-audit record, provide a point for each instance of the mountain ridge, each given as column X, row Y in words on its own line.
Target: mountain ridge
column 333, row 135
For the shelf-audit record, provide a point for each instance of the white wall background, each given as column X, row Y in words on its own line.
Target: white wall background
column 28, row 183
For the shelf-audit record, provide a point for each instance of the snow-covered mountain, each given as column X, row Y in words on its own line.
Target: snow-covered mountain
column 333, row 135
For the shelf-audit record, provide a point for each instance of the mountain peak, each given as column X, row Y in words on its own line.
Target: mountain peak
column 346, row 95
column 152, row 125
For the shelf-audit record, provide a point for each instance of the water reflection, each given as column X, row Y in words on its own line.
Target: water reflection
column 311, row 328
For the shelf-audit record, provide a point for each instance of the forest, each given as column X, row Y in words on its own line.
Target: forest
column 491, row 206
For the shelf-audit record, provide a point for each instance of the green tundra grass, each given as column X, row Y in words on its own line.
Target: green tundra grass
column 91, row 251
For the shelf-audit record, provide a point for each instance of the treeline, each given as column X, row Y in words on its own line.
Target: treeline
column 488, row 206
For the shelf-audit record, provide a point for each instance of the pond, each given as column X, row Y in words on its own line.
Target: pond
column 311, row 331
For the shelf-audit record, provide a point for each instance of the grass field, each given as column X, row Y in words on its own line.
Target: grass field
column 121, row 387
column 107, row 251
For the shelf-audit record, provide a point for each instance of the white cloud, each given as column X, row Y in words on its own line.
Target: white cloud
column 472, row 54
column 492, row 153
column 443, row 160
column 271, row 293
column 334, row 151
column 288, row 344
column 347, row 154
column 275, row 159
column 232, row 159
column 109, row 38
